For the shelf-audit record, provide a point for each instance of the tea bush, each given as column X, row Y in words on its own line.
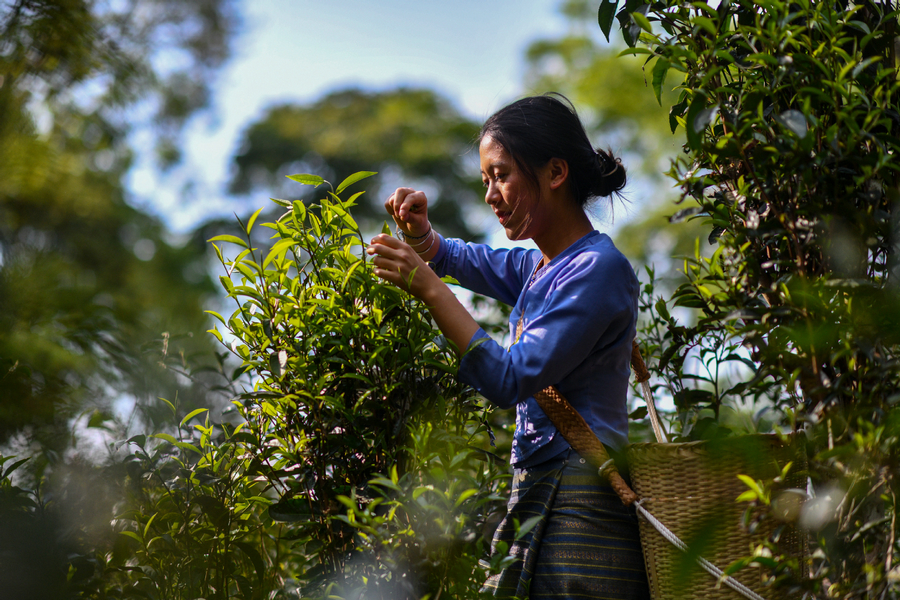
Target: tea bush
column 792, row 114
column 356, row 427
column 352, row 464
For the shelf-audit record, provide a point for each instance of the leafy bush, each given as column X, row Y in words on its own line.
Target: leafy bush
column 356, row 425
column 353, row 463
column 791, row 113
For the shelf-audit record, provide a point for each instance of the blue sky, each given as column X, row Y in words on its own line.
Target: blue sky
column 471, row 51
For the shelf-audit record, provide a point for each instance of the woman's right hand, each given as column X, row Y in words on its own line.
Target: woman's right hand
column 409, row 209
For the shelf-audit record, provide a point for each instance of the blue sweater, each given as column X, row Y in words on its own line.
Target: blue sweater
column 579, row 322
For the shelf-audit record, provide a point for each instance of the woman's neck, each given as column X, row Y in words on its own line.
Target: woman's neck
column 567, row 229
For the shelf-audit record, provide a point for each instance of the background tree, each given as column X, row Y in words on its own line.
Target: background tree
column 409, row 136
column 87, row 280
column 94, row 293
column 610, row 91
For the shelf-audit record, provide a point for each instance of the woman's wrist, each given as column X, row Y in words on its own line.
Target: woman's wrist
column 413, row 240
column 430, row 246
column 435, row 292
column 428, row 251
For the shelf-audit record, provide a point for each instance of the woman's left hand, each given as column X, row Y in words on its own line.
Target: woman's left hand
column 399, row 264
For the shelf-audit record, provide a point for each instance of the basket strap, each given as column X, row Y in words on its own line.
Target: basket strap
column 642, row 376
column 575, row 430
column 707, row 566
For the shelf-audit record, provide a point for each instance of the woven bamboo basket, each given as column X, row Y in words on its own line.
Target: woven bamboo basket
column 691, row 488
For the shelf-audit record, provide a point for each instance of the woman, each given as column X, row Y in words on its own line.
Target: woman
column 575, row 300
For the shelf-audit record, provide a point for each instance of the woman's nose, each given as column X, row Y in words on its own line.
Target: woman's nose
column 491, row 194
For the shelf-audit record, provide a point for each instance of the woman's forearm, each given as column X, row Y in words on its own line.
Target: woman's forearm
column 451, row 317
column 398, row 263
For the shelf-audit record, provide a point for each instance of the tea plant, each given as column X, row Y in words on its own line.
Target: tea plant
column 792, row 114
column 193, row 518
column 355, row 422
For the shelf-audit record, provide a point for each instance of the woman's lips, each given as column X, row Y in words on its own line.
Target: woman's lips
column 503, row 216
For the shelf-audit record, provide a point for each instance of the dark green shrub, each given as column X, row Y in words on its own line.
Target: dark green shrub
column 792, row 116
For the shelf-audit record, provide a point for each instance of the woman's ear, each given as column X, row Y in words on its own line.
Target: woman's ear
column 558, row 172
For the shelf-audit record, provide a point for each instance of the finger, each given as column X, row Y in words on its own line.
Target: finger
column 380, row 262
column 390, row 251
column 385, row 274
column 396, row 199
column 383, row 239
column 400, row 198
column 391, row 204
column 412, row 203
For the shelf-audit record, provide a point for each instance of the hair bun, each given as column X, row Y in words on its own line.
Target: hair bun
column 536, row 129
column 610, row 174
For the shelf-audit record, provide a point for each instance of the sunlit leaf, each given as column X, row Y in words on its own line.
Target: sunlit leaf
column 253, row 220
column 229, row 238
column 527, row 526
column 193, row 414
column 353, row 179
column 307, row 179
column 642, row 21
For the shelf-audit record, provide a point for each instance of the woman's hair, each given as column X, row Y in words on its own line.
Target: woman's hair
column 535, row 129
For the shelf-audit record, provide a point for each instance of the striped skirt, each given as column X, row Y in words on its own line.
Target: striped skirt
column 583, row 544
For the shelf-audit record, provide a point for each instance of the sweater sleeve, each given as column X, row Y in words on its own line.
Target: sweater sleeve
column 497, row 273
column 585, row 309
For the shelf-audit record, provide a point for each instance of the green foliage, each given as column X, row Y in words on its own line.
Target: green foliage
column 791, row 115
column 26, row 568
column 608, row 89
column 354, row 419
column 88, row 283
column 352, row 464
column 194, row 521
column 83, row 61
column 411, row 136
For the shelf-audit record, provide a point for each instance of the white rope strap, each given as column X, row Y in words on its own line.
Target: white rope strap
column 707, row 566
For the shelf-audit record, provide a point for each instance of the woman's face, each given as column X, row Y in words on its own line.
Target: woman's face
column 510, row 194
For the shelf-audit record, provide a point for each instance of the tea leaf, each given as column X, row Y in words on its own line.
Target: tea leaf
column 527, row 526
column 132, row 535
column 147, row 526
column 642, row 21
column 290, row 510
column 605, row 15
column 233, row 239
column 299, row 210
column 253, row 220
column 192, row 414
column 465, row 496
column 353, row 179
column 307, row 179
column 660, row 69
column 255, row 558
column 14, row 466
